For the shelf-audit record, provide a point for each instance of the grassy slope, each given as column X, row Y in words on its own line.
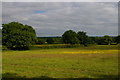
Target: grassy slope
column 82, row 62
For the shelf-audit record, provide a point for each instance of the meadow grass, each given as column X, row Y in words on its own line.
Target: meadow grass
column 98, row 61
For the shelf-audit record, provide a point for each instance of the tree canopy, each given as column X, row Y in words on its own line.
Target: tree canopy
column 118, row 39
column 50, row 41
column 18, row 36
column 107, row 39
column 70, row 37
column 83, row 38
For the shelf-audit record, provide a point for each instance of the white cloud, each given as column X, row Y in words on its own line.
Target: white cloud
column 95, row 18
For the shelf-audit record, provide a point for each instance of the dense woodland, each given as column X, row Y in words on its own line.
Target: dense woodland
column 15, row 35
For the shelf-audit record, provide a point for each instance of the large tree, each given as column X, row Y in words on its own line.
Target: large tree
column 107, row 40
column 0, row 36
column 18, row 36
column 83, row 38
column 70, row 37
column 118, row 39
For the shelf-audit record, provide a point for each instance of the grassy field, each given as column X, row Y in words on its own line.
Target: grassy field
column 81, row 62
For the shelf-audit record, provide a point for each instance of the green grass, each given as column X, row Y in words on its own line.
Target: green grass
column 80, row 62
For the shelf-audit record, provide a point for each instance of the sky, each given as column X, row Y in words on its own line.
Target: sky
column 54, row 18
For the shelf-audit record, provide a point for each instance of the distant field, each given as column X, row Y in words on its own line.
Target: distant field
column 99, row 61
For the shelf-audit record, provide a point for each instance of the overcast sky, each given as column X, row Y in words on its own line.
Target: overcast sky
column 54, row 18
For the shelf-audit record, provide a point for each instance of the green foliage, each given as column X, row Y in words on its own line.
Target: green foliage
column 57, row 40
column 0, row 36
column 50, row 41
column 70, row 37
column 92, row 40
column 83, row 38
column 18, row 36
column 118, row 39
column 40, row 41
column 52, row 46
column 106, row 40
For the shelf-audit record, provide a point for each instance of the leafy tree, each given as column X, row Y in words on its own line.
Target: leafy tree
column 18, row 36
column 50, row 40
column 40, row 41
column 83, row 38
column 98, row 40
column 0, row 36
column 57, row 40
column 118, row 39
column 70, row 37
column 92, row 40
column 107, row 39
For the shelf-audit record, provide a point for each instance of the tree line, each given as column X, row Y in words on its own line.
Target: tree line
column 79, row 38
column 17, row 36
